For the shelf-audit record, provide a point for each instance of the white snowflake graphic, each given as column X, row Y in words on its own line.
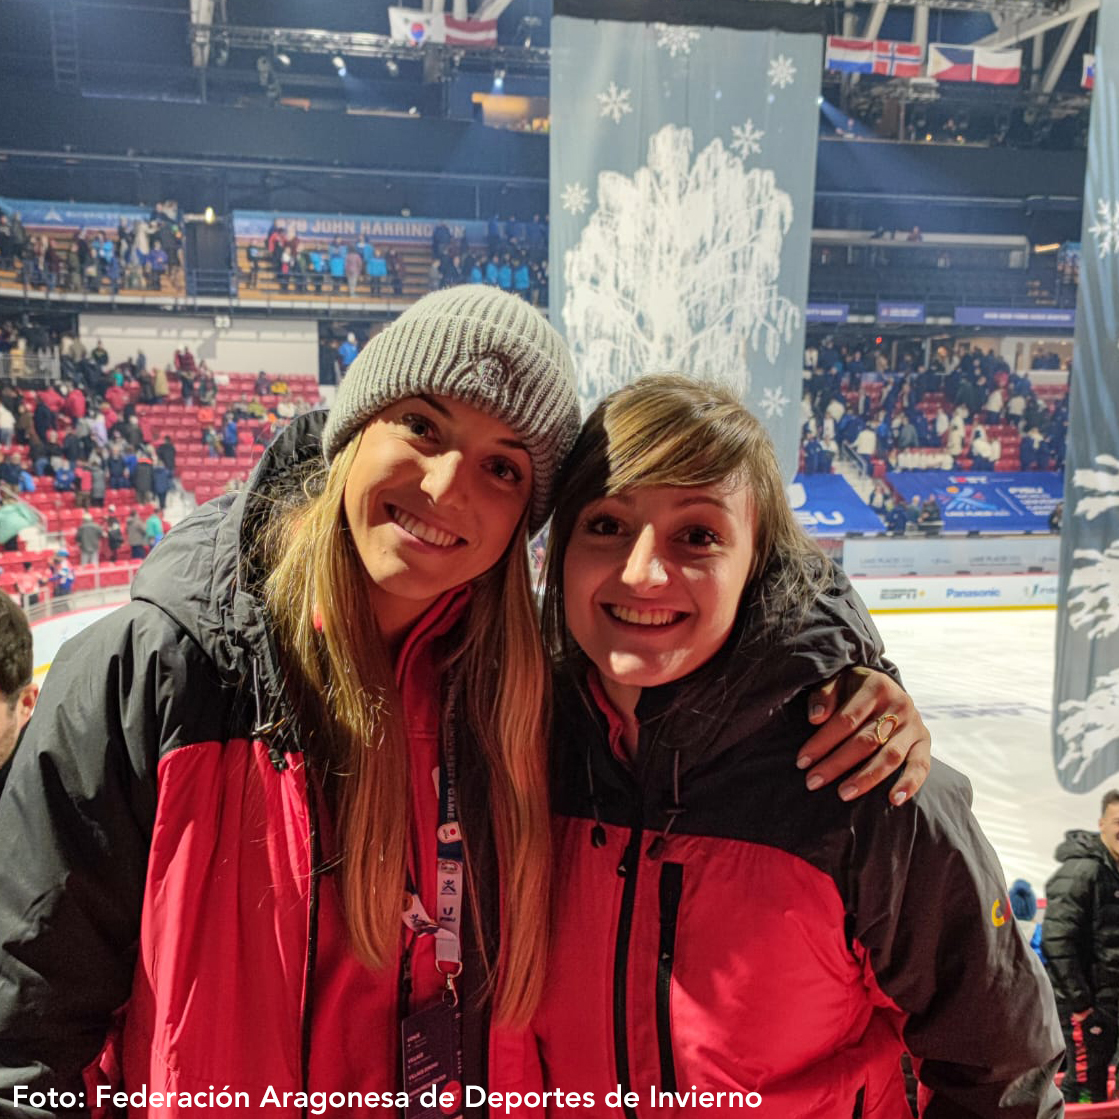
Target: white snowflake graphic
column 1093, row 586
column 1106, row 228
column 574, row 198
column 747, row 139
column 774, row 402
column 614, row 103
column 1089, row 726
column 677, row 269
column 782, row 71
column 675, row 39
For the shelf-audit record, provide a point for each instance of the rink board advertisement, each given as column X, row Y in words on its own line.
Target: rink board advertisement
column 1019, row 502
column 960, row 555
column 1086, row 698
column 682, row 169
column 966, row 592
column 826, row 505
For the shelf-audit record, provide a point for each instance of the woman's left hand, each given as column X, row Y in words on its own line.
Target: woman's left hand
column 851, row 710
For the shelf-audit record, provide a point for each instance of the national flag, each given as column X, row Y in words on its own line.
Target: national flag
column 951, row 64
column 409, row 25
column 1088, row 74
column 849, row 56
column 470, row 32
column 898, row 60
column 998, row 67
column 974, row 64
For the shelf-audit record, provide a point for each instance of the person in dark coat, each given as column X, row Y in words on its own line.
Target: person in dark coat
column 166, row 454
column 1080, row 942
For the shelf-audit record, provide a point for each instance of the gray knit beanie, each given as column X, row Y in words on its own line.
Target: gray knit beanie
column 484, row 347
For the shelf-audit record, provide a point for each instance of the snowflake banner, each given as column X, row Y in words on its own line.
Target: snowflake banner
column 683, row 161
column 1086, row 699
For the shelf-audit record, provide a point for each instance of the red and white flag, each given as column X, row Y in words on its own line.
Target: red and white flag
column 469, row 32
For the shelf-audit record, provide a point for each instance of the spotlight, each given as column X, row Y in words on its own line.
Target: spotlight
column 208, row 215
column 283, row 59
column 392, row 66
column 339, row 65
column 499, row 81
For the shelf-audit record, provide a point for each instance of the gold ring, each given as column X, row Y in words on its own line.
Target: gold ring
column 884, row 737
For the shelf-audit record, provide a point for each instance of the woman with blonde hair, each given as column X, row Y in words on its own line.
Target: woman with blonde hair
column 278, row 836
column 724, row 940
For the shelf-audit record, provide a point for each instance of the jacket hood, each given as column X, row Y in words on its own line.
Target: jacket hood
column 202, row 572
column 1081, row 844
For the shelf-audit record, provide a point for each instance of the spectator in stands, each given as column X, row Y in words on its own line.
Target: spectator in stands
column 211, row 441
column 995, row 405
column 142, row 476
column 1056, row 517
column 905, row 438
column 229, row 435
column 897, row 521
column 18, row 692
column 866, row 446
column 166, row 454
column 354, row 268
column 315, row 267
column 161, row 484
column 97, row 481
column 153, row 530
column 134, row 534
column 1080, row 942
column 160, row 386
column 61, row 574
column 505, row 273
column 88, row 539
column 540, row 283
column 940, row 425
column 337, row 264
column 117, row 468
column 984, row 452
column 930, row 519
column 157, row 265
column 261, row 385
column 114, row 534
column 440, row 240
column 253, row 253
column 957, row 432
column 395, row 265
column 377, row 269
column 7, row 426
column 450, row 270
column 347, row 351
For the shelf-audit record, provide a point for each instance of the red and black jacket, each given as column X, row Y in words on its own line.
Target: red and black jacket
column 719, row 927
column 168, row 913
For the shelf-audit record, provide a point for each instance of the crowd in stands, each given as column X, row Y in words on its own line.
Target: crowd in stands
column 138, row 255
column 515, row 258
column 94, row 454
column 964, row 411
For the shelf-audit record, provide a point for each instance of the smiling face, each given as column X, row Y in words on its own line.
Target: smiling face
column 653, row 578
column 432, row 500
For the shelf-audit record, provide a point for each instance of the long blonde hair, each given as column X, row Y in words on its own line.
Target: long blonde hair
column 339, row 679
column 669, row 430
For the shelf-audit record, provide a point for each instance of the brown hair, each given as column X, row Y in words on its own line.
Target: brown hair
column 339, row 678
column 669, row 430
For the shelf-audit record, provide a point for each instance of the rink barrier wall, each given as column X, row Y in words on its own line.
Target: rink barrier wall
column 937, row 593
column 889, row 556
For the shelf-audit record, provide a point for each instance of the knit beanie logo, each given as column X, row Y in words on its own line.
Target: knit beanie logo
column 492, row 371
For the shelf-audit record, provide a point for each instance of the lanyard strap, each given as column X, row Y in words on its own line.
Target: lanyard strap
column 447, row 926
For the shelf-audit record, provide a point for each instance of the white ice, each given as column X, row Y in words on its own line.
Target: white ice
column 984, row 684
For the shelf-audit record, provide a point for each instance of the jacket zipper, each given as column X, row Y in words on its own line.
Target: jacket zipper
column 312, row 935
column 671, row 886
column 627, row 869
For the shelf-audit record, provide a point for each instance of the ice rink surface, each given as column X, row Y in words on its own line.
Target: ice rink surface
column 983, row 682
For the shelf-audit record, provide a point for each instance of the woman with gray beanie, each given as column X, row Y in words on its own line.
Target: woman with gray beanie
column 277, row 837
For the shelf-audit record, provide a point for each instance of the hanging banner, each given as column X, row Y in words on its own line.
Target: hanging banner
column 826, row 505
column 1010, row 502
column 682, row 168
column 255, row 225
column 1086, row 699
